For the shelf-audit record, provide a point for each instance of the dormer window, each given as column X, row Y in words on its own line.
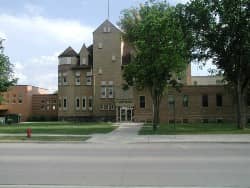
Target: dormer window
column 100, row 45
column 104, row 29
column 84, row 61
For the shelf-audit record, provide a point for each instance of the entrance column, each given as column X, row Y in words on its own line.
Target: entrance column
column 126, row 114
column 117, row 114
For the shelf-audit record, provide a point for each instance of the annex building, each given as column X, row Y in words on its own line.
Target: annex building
column 90, row 88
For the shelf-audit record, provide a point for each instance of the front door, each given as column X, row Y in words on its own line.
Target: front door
column 125, row 114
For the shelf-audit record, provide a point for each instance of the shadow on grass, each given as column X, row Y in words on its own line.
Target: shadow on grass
column 196, row 128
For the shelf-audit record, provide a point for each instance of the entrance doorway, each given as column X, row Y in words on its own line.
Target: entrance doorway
column 125, row 114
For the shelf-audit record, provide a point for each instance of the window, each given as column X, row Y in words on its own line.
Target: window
column 89, row 80
column 64, row 103
column 142, row 102
column 77, row 79
column 113, row 58
column 110, row 92
column 20, row 99
column 195, row 83
column 84, row 103
column 84, row 61
column 65, row 80
column 54, row 107
column 60, row 103
column 185, row 101
column 112, row 107
column 47, row 108
column 103, row 92
column 42, row 107
column 100, row 45
column 218, row 100
column 102, row 107
column 77, row 103
column 205, row 100
column 90, row 103
column 171, row 101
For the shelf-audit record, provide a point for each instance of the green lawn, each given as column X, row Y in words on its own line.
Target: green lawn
column 43, row 138
column 197, row 128
column 58, row 128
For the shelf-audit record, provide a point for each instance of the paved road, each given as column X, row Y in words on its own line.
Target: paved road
column 172, row 164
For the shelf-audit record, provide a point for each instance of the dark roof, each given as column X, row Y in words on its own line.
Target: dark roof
column 69, row 52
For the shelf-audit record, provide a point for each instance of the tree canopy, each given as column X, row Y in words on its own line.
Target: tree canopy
column 6, row 73
column 221, row 31
column 160, row 48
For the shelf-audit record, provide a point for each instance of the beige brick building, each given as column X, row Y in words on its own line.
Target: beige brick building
column 90, row 87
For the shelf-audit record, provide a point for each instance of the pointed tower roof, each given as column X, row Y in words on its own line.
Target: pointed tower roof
column 69, row 52
column 107, row 23
column 84, row 49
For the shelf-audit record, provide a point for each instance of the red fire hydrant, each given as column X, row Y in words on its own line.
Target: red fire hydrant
column 28, row 132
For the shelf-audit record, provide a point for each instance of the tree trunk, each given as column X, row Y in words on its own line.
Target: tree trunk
column 241, row 105
column 156, row 106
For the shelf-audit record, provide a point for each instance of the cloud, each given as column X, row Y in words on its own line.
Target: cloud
column 38, row 71
column 33, row 9
column 38, row 27
column 34, row 43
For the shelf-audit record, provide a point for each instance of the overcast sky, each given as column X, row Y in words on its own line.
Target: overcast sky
column 37, row 31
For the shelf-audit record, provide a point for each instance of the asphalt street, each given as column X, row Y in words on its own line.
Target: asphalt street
column 155, row 164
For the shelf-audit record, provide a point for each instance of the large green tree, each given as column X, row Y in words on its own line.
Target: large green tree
column 6, row 74
column 160, row 49
column 222, row 34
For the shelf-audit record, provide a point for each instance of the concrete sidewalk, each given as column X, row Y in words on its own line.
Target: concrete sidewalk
column 126, row 133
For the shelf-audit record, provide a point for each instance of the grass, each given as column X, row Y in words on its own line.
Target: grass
column 58, row 128
column 197, row 128
column 43, row 138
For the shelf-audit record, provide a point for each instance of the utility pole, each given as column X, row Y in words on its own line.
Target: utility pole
column 108, row 9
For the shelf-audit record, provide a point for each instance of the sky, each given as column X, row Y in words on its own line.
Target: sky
column 37, row 31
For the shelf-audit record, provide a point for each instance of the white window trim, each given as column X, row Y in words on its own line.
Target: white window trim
column 77, row 107
column 103, row 88
column 65, row 108
column 88, row 82
column 109, row 89
column 100, row 46
column 76, row 81
column 85, row 100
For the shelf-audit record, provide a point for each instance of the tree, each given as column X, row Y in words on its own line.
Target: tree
column 155, row 33
column 6, row 74
column 221, row 30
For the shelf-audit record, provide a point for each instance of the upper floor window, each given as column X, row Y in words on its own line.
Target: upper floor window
column 65, row 80
column 20, row 99
column 65, row 103
column 185, row 101
column 142, row 102
column 218, row 100
column 77, row 80
column 103, row 92
column 84, row 61
column 205, row 100
column 171, row 101
column 100, row 46
column 89, row 80
column 110, row 92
